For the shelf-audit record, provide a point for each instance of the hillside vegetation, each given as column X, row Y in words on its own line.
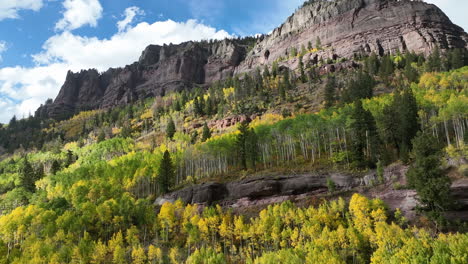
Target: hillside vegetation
column 82, row 190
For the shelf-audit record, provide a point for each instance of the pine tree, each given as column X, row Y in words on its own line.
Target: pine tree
column 101, row 135
column 266, row 73
column 126, row 131
column 55, row 167
column 27, row 176
column 70, row 159
column 166, row 173
column 427, row 177
column 302, row 72
column 409, row 121
column 241, row 143
column 206, row 132
column 434, row 62
column 252, row 147
column 194, row 137
column 170, row 129
column 372, row 64
column 318, row 43
column 365, row 137
column 274, row 69
column 330, row 92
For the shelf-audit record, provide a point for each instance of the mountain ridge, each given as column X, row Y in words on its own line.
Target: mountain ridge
column 345, row 28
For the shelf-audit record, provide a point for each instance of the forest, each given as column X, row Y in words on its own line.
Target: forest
column 81, row 190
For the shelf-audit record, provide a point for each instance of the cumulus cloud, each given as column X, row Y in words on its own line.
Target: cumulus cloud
column 3, row 48
column 79, row 13
column 22, row 89
column 10, row 8
column 122, row 48
column 130, row 14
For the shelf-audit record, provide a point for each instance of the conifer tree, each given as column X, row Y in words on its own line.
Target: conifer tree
column 434, row 62
column 206, row 132
column 241, row 143
column 101, row 135
column 302, row 71
column 266, row 72
column 365, row 138
column 55, row 167
column 318, row 43
column 27, row 176
column 166, row 173
column 427, row 177
column 330, row 92
column 170, row 129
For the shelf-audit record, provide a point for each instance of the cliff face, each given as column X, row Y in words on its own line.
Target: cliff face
column 160, row 69
column 345, row 27
column 360, row 26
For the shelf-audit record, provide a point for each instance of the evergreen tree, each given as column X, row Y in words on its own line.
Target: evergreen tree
column 330, row 92
column 266, row 72
column 27, row 176
column 126, row 131
column 456, row 59
column 365, row 138
column 309, row 45
column 318, row 43
column 409, row 121
column 252, row 147
column 55, row 167
column 410, row 72
column 359, row 87
column 372, row 64
column 302, row 71
column 194, row 137
column 170, row 129
column 434, row 62
column 427, row 177
column 241, row 143
column 274, row 69
column 386, row 68
column 70, row 159
column 206, row 133
column 101, row 135
column 166, row 173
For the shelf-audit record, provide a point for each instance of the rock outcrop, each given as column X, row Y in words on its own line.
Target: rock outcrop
column 256, row 188
column 345, row 27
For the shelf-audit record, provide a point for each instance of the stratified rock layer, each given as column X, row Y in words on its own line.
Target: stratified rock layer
column 345, row 27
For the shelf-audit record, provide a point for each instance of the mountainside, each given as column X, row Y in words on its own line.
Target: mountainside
column 345, row 27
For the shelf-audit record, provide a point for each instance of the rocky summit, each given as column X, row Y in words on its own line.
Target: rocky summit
column 344, row 27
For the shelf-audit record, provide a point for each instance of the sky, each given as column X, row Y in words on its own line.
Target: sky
column 40, row 40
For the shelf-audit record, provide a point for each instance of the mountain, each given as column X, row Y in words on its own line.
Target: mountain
column 345, row 28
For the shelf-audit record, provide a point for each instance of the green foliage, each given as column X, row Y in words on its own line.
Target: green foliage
column 170, row 129
column 166, row 173
column 331, row 186
column 330, row 94
column 426, row 175
column 365, row 147
column 206, row 134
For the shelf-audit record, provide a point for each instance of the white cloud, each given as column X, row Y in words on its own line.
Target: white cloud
column 10, row 8
column 22, row 89
column 3, row 48
column 122, row 48
column 130, row 14
column 79, row 13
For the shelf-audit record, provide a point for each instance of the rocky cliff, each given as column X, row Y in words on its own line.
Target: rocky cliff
column 345, row 27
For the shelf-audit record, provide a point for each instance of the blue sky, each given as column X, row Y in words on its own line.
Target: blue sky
column 40, row 40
